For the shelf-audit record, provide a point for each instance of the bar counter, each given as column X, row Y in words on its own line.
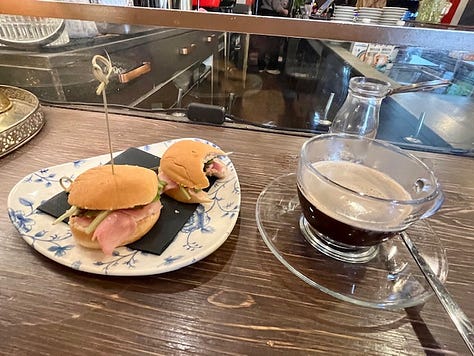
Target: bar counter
column 238, row 300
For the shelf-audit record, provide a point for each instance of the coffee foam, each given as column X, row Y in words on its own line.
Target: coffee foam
column 353, row 209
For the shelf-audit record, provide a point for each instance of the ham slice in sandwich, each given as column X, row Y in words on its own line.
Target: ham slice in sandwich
column 109, row 210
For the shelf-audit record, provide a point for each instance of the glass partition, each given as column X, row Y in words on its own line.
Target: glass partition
column 164, row 60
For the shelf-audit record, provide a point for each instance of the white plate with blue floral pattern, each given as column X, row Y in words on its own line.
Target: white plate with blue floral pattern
column 206, row 230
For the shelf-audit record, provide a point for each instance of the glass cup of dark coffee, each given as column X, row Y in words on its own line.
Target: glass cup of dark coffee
column 357, row 192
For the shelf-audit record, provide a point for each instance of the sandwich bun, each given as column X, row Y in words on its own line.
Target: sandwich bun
column 184, row 160
column 178, row 195
column 85, row 239
column 99, row 189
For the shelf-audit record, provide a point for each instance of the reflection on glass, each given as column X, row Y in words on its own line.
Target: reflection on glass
column 432, row 10
column 161, row 68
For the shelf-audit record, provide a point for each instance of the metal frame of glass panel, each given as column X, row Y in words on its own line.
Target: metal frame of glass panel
column 433, row 38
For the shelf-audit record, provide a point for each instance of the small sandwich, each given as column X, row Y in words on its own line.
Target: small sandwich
column 184, row 169
column 109, row 210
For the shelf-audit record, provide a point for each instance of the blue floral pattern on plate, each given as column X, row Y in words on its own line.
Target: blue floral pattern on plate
column 206, row 230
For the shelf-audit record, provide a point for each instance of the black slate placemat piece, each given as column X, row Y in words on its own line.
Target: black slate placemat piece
column 173, row 214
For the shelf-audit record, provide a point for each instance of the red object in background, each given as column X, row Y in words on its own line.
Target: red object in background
column 449, row 16
column 207, row 3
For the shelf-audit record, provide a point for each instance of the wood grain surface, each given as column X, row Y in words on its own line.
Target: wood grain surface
column 240, row 299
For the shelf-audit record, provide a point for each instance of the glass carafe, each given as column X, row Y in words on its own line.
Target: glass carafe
column 359, row 115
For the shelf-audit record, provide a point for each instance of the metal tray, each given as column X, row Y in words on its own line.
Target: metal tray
column 22, row 121
column 31, row 32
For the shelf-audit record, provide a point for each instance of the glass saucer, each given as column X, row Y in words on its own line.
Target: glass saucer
column 391, row 280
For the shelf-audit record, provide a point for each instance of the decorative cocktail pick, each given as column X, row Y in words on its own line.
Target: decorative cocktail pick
column 102, row 68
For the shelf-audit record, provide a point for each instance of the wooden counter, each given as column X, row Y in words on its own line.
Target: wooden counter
column 240, row 299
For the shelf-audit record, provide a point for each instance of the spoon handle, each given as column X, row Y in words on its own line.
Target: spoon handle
column 421, row 86
column 459, row 319
column 328, row 106
column 421, row 119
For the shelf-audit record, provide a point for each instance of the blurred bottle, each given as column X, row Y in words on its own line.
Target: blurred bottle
column 432, row 10
column 359, row 114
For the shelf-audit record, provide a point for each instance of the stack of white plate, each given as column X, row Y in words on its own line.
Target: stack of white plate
column 344, row 13
column 391, row 15
column 369, row 15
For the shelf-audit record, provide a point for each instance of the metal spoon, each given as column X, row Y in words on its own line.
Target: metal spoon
column 421, row 86
column 459, row 319
column 414, row 138
column 324, row 121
